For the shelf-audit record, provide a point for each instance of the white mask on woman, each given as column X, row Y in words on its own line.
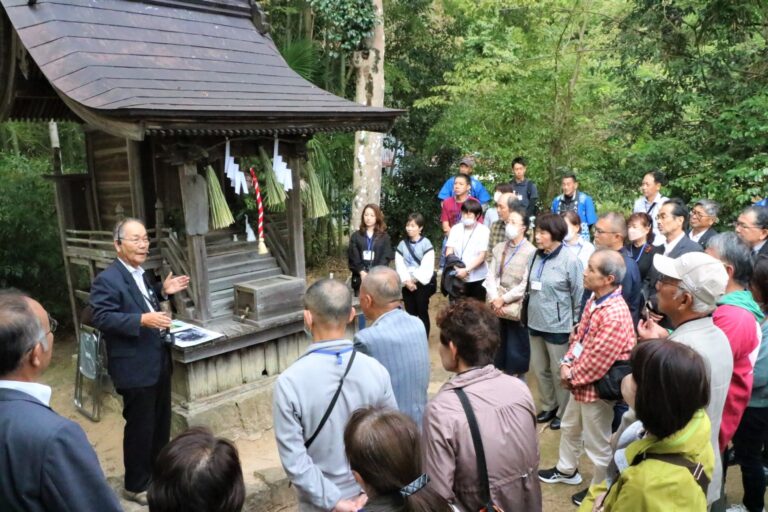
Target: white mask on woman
column 511, row 231
column 635, row 234
column 468, row 223
column 568, row 236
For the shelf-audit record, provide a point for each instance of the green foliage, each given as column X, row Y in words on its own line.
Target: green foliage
column 694, row 76
column 30, row 251
column 302, row 56
column 346, row 23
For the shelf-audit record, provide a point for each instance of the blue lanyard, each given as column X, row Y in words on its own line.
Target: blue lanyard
column 332, row 352
column 541, row 266
column 369, row 241
column 640, row 254
column 508, row 260
column 589, row 322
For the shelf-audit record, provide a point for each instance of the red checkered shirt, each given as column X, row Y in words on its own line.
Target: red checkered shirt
column 607, row 335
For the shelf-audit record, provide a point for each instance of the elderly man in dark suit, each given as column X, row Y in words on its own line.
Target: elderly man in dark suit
column 126, row 309
column 752, row 227
column 703, row 217
column 672, row 220
column 46, row 462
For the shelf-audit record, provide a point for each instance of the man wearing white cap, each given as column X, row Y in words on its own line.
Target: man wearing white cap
column 688, row 290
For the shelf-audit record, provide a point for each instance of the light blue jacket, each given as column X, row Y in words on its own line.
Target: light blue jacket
column 399, row 342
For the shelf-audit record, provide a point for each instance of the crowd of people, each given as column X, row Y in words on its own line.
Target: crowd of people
column 645, row 332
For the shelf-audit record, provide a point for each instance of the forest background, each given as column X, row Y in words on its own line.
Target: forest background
column 606, row 88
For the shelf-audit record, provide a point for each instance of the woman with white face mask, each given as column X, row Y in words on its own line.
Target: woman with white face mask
column 640, row 247
column 506, row 283
column 583, row 249
column 468, row 241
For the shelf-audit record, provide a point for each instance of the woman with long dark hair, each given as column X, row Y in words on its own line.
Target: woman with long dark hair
column 383, row 447
column 369, row 246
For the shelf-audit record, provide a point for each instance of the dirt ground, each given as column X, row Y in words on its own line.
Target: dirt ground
column 260, row 452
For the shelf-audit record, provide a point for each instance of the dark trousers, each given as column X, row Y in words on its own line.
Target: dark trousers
column 147, row 413
column 417, row 303
column 475, row 290
column 750, row 439
column 514, row 354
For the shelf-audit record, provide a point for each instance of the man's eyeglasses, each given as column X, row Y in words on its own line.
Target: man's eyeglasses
column 741, row 225
column 53, row 323
column 665, row 280
column 599, row 231
column 136, row 241
column 700, row 215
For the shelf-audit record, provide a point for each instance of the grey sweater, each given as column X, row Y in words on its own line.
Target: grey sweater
column 302, row 393
column 555, row 307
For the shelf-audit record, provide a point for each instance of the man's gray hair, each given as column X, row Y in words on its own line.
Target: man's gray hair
column 610, row 263
column 119, row 230
column 329, row 301
column 731, row 249
column 711, row 208
column 617, row 222
column 20, row 330
column 761, row 215
column 512, row 201
column 383, row 285
column 698, row 306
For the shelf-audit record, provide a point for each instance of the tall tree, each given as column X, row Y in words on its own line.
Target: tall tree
column 369, row 90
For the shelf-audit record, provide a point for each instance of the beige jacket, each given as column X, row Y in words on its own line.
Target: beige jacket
column 506, row 415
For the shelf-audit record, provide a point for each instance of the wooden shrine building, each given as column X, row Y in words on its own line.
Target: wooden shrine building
column 160, row 86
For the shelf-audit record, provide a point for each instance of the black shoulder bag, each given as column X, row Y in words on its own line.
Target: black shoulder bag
column 482, row 468
column 432, row 285
column 527, row 295
column 328, row 411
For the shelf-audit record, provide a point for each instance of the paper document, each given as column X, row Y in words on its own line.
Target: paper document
column 189, row 335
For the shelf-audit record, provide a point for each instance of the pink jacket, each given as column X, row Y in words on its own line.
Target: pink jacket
column 507, row 419
column 743, row 334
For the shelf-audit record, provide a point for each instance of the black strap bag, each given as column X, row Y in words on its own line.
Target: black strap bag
column 328, row 411
column 482, row 468
column 432, row 284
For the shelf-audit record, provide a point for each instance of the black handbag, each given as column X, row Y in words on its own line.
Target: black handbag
column 526, row 297
column 609, row 385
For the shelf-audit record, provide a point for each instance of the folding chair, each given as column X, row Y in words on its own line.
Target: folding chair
column 91, row 372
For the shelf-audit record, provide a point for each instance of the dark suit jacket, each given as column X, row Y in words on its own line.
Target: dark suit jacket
column 709, row 233
column 763, row 250
column 136, row 355
column 46, row 462
column 684, row 246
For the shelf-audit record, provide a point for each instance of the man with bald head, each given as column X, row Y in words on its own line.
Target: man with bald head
column 46, row 462
column 126, row 309
column 315, row 396
column 395, row 339
column 604, row 335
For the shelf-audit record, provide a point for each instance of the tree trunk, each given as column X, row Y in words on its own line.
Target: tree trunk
column 369, row 65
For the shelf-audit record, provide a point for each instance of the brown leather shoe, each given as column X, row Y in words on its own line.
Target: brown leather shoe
column 136, row 497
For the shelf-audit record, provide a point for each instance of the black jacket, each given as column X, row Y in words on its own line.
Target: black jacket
column 451, row 285
column 704, row 240
column 358, row 244
column 136, row 355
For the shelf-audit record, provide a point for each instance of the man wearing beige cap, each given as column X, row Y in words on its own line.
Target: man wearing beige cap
column 688, row 289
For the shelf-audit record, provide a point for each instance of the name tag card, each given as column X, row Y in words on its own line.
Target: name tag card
column 536, row 285
column 368, row 255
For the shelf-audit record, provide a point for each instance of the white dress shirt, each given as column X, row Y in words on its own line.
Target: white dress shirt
column 138, row 276
column 668, row 246
column 40, row 392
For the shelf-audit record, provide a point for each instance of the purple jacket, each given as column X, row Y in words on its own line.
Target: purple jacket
column 507, row 419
